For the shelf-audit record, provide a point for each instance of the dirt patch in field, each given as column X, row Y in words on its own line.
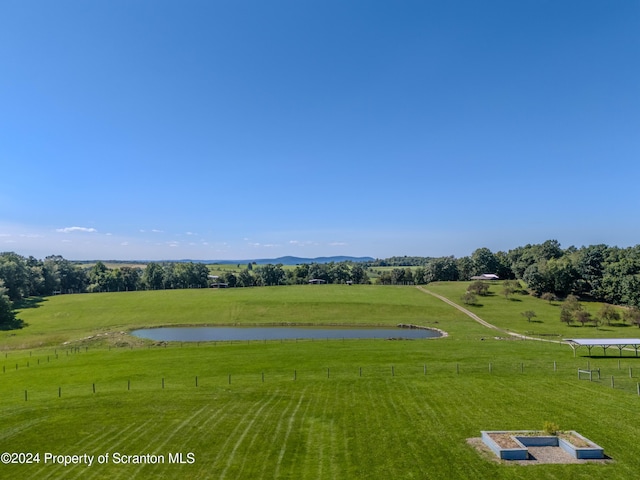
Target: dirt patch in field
column 107, row 339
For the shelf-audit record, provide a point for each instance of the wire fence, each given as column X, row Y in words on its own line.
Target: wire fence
column 607, row 372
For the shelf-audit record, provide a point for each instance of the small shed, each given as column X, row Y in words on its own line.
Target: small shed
column 486, row 276
column 317, row 281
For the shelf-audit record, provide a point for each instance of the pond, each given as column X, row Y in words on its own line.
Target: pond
column 204, row 334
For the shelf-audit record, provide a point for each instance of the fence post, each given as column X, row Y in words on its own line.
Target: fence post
column 612, row 384
column 490, row 367
column 457, row 368
column 94, row 388
column 555, row 368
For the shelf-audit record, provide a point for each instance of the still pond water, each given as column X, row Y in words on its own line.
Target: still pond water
column 204, row 334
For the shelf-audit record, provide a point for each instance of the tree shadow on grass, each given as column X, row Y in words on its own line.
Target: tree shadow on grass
column 620, row 324
column 29, row 302
column 15, row 324
column 612, row 355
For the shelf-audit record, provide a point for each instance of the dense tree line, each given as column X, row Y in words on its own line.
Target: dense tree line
column 24, row 277
column 598, row 272
column 269, row 275
column 404, row 261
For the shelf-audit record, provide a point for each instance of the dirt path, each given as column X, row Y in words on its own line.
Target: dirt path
column 481, row 321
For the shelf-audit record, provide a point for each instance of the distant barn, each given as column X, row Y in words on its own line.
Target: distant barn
column 486, row 276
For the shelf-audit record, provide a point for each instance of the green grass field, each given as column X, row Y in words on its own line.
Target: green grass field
column 304, row 409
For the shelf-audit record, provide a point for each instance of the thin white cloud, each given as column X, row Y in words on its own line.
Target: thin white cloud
column 155, row 230
column 76, row 229
column 338, row 244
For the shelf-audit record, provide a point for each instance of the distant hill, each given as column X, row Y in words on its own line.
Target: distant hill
column 289, row 260
column 258, row 261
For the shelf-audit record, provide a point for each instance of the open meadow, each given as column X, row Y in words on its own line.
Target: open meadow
column 73, row 382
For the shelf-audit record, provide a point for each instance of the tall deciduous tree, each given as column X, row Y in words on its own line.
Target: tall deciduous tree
column 484, row 261
column 14, row 273
column 7, row 316
column 609, row 314
column 632, row 314
column 153, row 276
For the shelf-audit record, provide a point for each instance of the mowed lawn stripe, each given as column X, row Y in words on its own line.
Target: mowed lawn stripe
column 118, row 438
column 271, row 457
column 258, row 438
column 298, row 447
column 81, row 445
column 243, row 424
column 255, row 427
column 166, row 434
column 284, row 444
column 317, row 430
column 207, row 436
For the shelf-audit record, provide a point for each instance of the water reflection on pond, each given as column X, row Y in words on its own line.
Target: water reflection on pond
column 203, row 334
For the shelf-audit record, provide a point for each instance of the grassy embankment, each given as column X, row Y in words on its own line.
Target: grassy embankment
column 316, row 414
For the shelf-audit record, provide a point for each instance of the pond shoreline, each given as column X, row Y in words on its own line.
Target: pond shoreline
column 278, row 331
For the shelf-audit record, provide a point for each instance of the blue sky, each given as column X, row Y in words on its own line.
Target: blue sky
column 251, row 129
